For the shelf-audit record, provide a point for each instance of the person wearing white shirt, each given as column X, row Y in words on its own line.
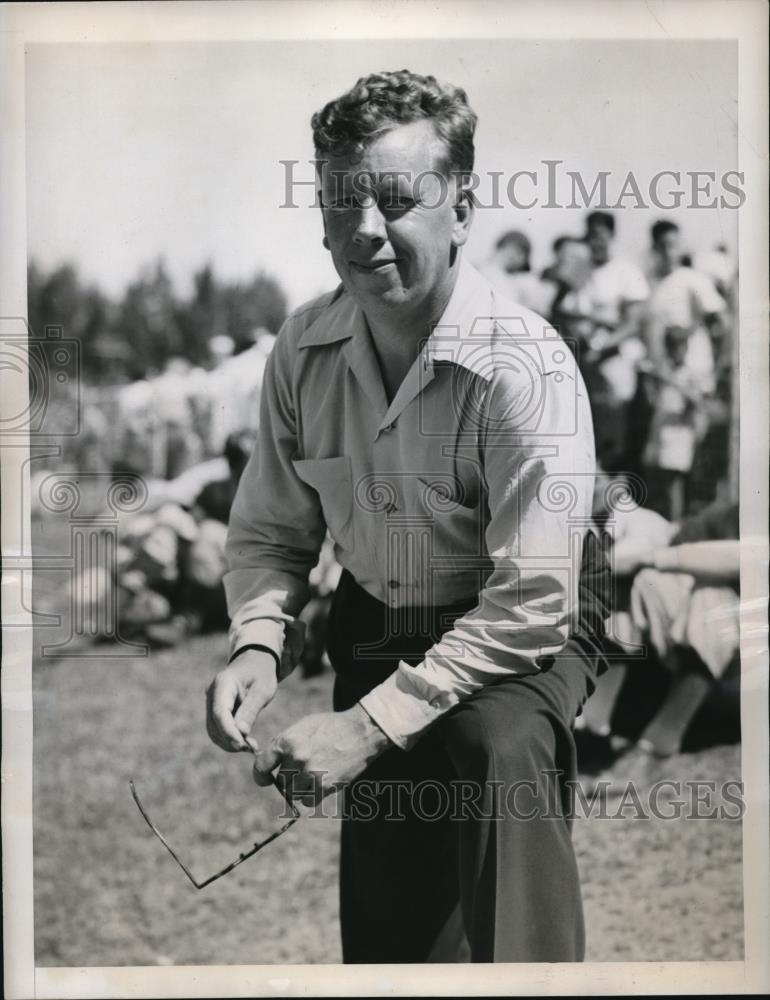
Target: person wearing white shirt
column 442, row 435
column 685, row 298
column 509, row 271
column 611, row 303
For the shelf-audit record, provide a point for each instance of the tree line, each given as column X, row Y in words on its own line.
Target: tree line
column 134, row 336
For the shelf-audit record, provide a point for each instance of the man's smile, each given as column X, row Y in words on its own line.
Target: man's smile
column 373, row 266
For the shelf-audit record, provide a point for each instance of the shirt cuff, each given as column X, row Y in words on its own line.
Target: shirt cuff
column 401, row 711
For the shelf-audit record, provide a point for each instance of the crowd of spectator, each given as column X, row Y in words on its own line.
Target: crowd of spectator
column 654, row 344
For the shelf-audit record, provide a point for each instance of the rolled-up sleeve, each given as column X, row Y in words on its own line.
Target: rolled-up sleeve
column 540, row 488
column 276, row 527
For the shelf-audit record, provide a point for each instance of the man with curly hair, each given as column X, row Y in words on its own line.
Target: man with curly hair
column 443, row 437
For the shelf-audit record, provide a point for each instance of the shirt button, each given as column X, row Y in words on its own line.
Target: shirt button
column 394, row 584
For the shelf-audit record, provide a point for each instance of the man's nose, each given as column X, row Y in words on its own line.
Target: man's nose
column 370, row 226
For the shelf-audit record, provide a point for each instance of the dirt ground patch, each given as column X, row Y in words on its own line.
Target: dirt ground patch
column 107, row 894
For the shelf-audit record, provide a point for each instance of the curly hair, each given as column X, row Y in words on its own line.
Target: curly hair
column 382, row 101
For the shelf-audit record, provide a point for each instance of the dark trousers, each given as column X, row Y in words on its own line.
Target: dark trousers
column 412, row 853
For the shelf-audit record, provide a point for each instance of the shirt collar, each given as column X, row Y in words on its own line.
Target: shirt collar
column 340, row 320
column 471, row 304
column 479, row 327
column 465, row 333
column 342, row 317
column 474, row 318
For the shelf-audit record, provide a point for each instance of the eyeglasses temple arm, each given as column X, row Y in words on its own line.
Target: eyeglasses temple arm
column 243, row 857
column 162, row 839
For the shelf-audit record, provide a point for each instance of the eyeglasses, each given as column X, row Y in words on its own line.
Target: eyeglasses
column 295, row 813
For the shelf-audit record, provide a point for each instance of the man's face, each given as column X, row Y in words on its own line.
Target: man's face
column 668, row 247
column 391, row 220
column 512, row 258
column 599, row 241
column 573, row 263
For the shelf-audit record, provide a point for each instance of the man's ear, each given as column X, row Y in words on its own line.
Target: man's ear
column 325, row 239
column 464, row 209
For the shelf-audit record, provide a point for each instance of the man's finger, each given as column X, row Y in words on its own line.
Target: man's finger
column 306, row 787
column 249, row 709
column 211, row 728
column 213, row 733
column 224, row 696
column 265, row 763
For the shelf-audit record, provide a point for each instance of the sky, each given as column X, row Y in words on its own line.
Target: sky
column 141, row 151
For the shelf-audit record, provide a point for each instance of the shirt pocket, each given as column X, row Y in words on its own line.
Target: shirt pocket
column 332, row 479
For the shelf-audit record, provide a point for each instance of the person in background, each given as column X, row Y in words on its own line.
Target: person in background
column 509, row 271
column 719, row 265
column 197, row 603
column 172, row 561
column 178, row 447
column 686, row 298
column 684, row 608
column 678, row 422
column 551, row 271
column 631, row 530
column 216, row 498
column 137, row 424
column 88, row 451
column 568, row 273
column 611, row 302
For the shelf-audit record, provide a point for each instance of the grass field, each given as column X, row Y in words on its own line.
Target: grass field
column 107, row 894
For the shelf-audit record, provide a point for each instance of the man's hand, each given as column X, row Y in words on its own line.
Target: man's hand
column 237, row 695
column 320, row 753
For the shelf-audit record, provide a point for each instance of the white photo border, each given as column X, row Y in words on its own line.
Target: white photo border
column 746, row 21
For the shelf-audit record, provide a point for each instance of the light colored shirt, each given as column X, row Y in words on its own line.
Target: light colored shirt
column 475, row 480
column 611, row 287
column 717, row 265
column 672, row 435
column 524, row 287
column 233, row 391
column 684, row 298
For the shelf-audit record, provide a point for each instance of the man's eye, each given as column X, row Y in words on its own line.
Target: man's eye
column 342, row 204
column 396, row 204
